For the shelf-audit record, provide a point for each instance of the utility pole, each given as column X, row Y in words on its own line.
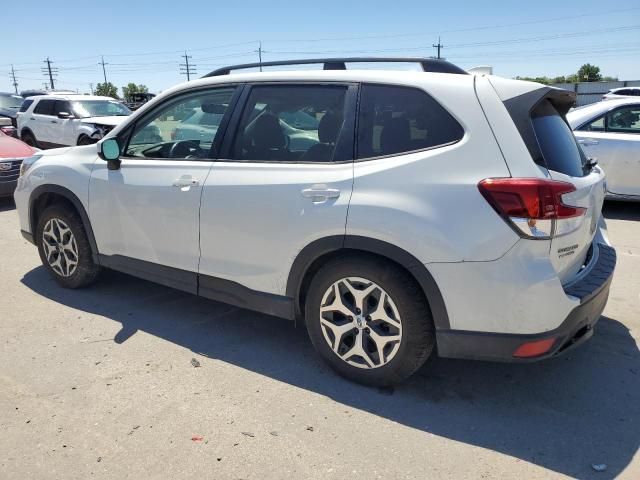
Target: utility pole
column 50, row 72
column 13, row 77
column 187, row 68
column 46, row 85
column 91, row 88
column 104, row 71
column 260, row 54
column 438, row 46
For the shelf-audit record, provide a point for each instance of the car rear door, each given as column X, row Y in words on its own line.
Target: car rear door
column 275, row 189
column 566, row 162
column 614, row 141
column 41, row 121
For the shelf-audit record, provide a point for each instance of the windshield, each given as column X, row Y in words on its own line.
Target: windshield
column 99, row 108
column 10, row 101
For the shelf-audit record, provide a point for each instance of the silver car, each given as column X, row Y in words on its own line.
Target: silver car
column 609, row 132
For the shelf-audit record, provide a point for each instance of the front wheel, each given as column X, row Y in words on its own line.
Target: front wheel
column 30, row 139
column 64, row 247
column 369, row 320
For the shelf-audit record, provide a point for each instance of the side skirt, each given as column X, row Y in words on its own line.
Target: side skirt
column 213, row 288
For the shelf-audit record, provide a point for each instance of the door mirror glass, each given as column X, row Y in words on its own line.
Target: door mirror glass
column 109, row 149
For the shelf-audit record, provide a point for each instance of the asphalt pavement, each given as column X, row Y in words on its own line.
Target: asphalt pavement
column 128, row 379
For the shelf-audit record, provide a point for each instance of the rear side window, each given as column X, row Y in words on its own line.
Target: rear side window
column 294, row 123
column 396, row 120
column 25, row 105
column 45, row 107
column 558, row 146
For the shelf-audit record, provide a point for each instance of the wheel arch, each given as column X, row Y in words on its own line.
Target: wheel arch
column 46, row 195
column 314, row 255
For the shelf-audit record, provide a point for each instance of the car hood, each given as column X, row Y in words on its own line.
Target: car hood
column 13, row 148
column 8, row 112
column 112, row 121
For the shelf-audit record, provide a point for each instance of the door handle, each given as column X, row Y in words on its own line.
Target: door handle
column 53, row 121
column 588, row 142
column 320, row 193
column 186, row 181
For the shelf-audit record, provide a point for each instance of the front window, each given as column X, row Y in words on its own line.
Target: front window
column 10, row 102
column 624, row 120
column 185, row 127
column 99, row 108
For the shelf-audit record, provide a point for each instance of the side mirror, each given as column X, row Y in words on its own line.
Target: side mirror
column 109, row 150
column 64, row 115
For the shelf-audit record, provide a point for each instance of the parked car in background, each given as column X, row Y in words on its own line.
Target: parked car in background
column 425, row 212
column 136, row 100
column 12, row 152
column 9, row 106
column 609, row 132
column 36, row 93
column 616, row 93
column 6, row 127
column 63, row 120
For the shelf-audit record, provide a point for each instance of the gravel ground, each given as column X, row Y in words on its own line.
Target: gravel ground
column 100, row 383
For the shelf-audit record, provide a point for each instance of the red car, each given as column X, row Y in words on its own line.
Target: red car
column 12, row 151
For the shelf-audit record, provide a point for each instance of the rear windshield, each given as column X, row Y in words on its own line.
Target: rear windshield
column 559, row 147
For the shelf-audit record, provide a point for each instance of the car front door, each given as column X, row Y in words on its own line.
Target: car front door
column 145, row 215
column 64, row 127
column 614, row 140
column 277, row 187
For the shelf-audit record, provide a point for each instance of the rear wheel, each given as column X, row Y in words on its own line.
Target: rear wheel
column 64, row 247
column 30, row 139
column 369, row 320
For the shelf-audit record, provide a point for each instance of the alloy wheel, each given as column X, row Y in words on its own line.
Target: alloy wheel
column 360, row 322
column 60, row 247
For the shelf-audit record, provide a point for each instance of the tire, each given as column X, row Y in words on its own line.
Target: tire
column 30, row 139
column 402, row 331
column 60, row 236
column 84, row 140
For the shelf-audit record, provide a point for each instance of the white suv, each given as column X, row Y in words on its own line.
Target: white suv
column 399, row 213
column 62, row 120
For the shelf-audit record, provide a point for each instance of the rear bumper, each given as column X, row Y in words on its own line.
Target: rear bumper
column 593, row 293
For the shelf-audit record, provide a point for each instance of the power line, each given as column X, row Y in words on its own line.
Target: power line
column 186, row 68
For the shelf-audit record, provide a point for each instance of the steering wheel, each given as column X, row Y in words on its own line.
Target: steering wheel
column 186, row 149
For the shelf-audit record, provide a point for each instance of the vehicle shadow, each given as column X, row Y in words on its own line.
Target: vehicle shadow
column 621, row 210
column 564, row 414
column 7, row 204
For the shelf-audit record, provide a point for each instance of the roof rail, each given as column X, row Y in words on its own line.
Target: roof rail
column 428, row 64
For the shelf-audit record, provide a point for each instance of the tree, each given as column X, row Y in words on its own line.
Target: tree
column 132, row 88
column 107, row 89
column 589, row 73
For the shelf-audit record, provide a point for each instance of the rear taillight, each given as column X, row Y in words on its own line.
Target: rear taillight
column 531, row 205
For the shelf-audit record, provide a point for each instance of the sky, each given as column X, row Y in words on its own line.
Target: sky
column 142, row 41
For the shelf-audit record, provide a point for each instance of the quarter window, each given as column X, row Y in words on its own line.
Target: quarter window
column 182, row 128
column 44, row 107
column 396, row 120
column 290, row 123
column 595, row 126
